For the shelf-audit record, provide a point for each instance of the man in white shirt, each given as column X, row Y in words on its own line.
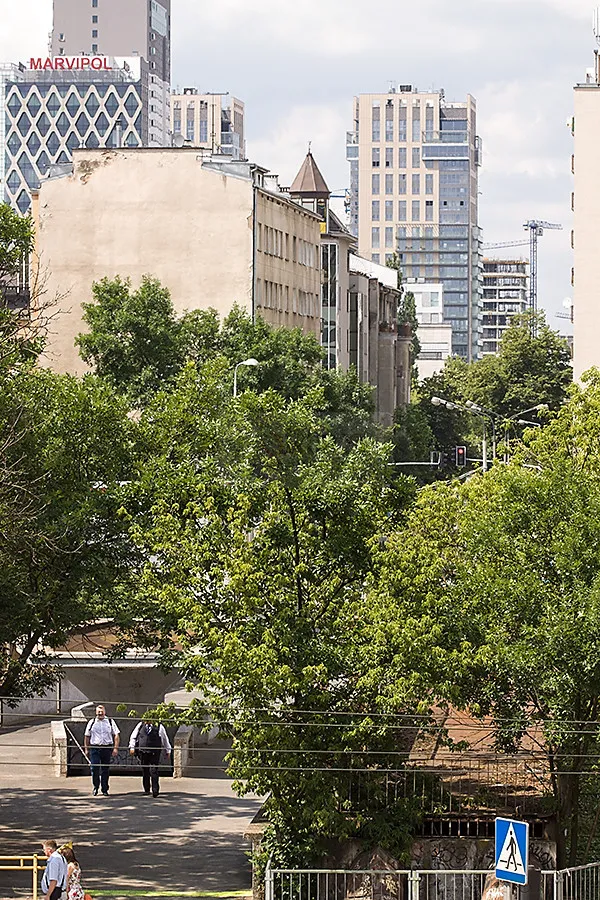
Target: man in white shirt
column 148, row 739
column 54, row 879
column 101, row 741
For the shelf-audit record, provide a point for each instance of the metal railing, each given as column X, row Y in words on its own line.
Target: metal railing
column 33, row 864
column 371, row 884
column 579, row 883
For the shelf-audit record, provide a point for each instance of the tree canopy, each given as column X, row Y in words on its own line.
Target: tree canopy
column 65, row 445
column 491, row 597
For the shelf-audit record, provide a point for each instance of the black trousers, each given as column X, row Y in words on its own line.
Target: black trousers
column 149, row 760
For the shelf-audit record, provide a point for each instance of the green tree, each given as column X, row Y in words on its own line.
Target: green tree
column 258, row 540
column 16, row 242
column 19, row 340
column 491, row 595
column 63, row 548
column 133, row 336
column 139, row 346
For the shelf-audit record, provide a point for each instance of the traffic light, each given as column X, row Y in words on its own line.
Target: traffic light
column 460, row 457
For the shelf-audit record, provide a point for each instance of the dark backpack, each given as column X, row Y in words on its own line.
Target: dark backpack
column 149, row 737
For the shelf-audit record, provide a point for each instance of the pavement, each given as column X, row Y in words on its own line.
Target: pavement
column 189, row 839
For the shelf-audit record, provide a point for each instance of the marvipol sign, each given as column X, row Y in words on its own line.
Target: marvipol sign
column 70, row 63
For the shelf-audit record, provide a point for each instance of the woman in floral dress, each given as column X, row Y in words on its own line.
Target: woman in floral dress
column 74, row 889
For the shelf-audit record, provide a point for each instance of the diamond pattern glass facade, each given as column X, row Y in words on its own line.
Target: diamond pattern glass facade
column 44, row 118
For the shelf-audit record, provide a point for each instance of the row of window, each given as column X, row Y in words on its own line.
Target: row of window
column 402, row 210
column 274, row 242
column 272, row 295
column 389, row 179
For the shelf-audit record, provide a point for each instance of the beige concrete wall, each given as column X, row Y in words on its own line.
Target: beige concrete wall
column 586, row 229
column 137, row 212
column 288, row 279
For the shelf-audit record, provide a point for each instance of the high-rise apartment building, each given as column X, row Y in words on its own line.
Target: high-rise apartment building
column 414, row 161
column 213, row 122
column 122, row 28
column 505, row 295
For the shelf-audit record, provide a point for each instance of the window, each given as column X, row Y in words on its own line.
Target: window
column 94, row 20
column 94, row 48
column 429, row 210
column 375, row 210
column 389, row 121
column 374, row 184
column 402, row 158
column 416, row 157
column 389, row 237
column 402, row 210
column 429, row 184
column 61, row 37
column 416, row 184
column 389, row 184
column 402, row 123
column 402, row 184
column 416, row 122
column 389, row 210
column 389, row 157
column 375, row 122
column 94, row 32
column 94, row 4
column 375, row 238
column 416, row 210
column 375, row 157
column 375, row 257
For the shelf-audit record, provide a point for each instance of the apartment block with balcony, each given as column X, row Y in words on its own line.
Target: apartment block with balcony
column 414, row 161
column 214, row 122
column 505, row 295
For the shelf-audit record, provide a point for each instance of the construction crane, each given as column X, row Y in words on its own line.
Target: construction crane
column 504, row 244
column 536, row 229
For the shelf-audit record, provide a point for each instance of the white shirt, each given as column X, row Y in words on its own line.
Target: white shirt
column 101, row 732
column 164, row 738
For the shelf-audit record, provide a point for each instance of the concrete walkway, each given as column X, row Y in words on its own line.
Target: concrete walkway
column 188, row 839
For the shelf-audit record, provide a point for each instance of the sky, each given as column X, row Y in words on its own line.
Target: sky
column 297, row 66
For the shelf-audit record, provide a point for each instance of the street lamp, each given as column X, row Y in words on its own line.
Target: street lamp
column 245, row 362
column 518, row 420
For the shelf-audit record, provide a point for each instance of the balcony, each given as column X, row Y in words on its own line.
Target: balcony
column 445, row 137
column 15, row 299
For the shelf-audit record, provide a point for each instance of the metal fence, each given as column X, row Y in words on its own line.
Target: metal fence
column 579, row 883
column 582, row 883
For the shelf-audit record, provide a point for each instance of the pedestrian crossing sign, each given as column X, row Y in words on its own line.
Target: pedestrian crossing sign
column 512, row 850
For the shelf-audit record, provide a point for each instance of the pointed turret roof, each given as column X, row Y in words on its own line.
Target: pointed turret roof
column 309, row 182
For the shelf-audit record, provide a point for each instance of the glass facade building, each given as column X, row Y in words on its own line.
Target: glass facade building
column 426, row 156
column 48, row 114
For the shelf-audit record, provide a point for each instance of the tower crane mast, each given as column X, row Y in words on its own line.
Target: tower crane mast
column 536, row 229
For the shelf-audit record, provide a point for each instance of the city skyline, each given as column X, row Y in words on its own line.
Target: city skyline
column 519, row 60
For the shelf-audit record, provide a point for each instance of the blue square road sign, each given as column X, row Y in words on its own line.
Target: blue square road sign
column 512, row 850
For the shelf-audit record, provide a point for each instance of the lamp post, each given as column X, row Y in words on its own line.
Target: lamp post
column 516, row 418
column 245, row 362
